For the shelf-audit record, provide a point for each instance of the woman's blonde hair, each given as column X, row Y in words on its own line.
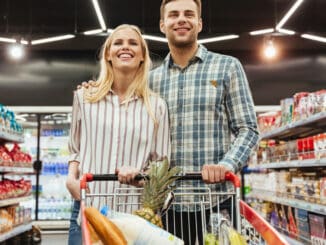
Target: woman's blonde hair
column 139, row 87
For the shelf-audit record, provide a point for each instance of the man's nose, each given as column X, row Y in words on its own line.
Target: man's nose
column 181, row 18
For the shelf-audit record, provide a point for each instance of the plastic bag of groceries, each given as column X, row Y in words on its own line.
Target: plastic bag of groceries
column 139, row 231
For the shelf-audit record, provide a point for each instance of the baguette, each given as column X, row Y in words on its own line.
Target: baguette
column 107, row 231
column 93, row 235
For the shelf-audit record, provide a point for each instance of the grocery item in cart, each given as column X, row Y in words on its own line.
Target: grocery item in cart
column 107, row 231
column 139, row 231
column 156, row 190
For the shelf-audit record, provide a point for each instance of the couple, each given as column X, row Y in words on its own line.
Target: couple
column 118, row 122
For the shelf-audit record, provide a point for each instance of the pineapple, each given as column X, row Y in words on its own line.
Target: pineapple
column 156, row 190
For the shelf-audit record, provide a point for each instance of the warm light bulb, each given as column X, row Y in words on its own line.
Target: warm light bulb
column 16, row 52
column 270, row 50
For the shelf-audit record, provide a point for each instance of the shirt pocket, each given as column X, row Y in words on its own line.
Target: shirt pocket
column 211, row 95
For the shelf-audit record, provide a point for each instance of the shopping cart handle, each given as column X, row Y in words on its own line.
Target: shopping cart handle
column 229, row 176
column 88, row 177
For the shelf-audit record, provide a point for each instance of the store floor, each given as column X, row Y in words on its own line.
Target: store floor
column 55, row 239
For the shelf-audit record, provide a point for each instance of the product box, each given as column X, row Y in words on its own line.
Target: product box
column 317, row 229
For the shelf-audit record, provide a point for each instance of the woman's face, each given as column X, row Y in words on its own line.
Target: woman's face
column 125, row 52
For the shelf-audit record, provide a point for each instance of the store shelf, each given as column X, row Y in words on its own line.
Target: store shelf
column 272, row 197
column 292, row 241
column 11, row 201
column 290, row 164
column 15, row 231
column 52, row 224
column 16, row 170
column 310, row 126
column 6, row 137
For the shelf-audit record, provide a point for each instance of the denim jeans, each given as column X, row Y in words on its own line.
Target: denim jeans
column 75, row 235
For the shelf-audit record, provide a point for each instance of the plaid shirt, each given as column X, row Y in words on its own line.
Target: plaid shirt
column 208, row 101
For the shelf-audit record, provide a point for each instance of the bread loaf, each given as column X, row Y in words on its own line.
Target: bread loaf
column 107, row 231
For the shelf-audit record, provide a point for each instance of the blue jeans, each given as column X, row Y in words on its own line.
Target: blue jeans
column 75, row 235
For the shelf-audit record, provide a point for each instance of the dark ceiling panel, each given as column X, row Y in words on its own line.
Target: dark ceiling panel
column 33, row 19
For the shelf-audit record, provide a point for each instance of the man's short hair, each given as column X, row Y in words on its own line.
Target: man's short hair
column 165, row 2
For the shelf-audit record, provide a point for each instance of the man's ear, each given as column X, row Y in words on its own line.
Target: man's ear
column 162, row 26
column 200, row 25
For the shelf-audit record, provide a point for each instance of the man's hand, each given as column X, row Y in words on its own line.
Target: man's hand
column 86, row 84
column 213, row 173
column 127, row 174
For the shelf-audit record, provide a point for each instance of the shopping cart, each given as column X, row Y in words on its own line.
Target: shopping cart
column 247, row 221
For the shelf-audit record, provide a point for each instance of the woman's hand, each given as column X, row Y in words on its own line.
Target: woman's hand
column 73, row 186
column 127, row 174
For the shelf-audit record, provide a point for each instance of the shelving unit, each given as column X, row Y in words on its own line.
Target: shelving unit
column 273, row 197
column 307, row 163
column 313, row 125
column 15, row 231
column 11, row 201
column 303, row 128
column 6, row 170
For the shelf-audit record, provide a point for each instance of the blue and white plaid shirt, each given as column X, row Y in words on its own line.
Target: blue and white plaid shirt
column 208, row 101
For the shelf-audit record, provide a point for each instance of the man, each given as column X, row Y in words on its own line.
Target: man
column 208, row 99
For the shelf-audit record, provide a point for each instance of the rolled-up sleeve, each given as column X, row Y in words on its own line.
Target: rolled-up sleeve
column 241, row 117
column 74, row 135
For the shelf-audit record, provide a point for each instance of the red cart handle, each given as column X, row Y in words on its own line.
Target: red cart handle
column 88, row 177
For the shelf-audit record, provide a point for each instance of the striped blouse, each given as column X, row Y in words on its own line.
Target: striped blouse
column 109, row 134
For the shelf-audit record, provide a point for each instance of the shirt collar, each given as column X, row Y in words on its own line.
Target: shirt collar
column 200, row 55
column 132, row 98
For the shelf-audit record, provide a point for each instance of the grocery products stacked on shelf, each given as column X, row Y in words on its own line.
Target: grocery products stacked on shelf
column 15, row 218
column 287, row 178
column 9, row 128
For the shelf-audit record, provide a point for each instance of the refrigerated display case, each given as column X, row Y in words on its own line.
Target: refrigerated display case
column 47, row 134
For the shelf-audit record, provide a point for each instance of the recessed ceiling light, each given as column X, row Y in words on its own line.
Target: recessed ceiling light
column 7, row 40
column 218, row 39
column 92, row 32
column 289, row 14
column 52, row 39
column 314, row 37
column 99, row 14
column 261, row 32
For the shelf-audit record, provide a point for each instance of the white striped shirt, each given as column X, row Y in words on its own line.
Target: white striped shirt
column 109, row 134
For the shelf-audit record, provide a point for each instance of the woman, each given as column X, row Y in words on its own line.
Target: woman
column 118, row 124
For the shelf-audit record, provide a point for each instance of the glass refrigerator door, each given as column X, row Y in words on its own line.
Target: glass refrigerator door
column 54, row 202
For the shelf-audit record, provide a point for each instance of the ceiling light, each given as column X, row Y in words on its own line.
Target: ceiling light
column 269, row 50
column 99, row 14
column 52, row 39
column 7, row 40
column 286, row 31
column 24, row 42
column 217, row 39
column 109, row 30
column 92, row 32
column 314, row 37
column 155, row 38
column 16, row 52
column 288, row 14
column 260, row 32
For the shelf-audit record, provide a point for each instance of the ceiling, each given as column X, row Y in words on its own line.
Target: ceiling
column 35, row 19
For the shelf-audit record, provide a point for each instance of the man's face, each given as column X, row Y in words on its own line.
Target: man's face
column 181, row 23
